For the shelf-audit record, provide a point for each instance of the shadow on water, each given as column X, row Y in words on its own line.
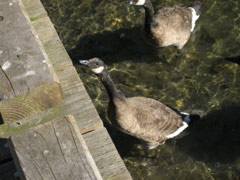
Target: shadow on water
column 216, row 137
column 5, row 155
column 115, row 46
column 1, row 119
column 234, row 59
column 123, row 142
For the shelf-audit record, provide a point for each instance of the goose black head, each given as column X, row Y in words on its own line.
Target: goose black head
column 197, row 6
column 95, row 64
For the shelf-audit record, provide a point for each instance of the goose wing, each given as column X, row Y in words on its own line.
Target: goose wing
column 153, row 117
column 176, row 17
column 172, row 25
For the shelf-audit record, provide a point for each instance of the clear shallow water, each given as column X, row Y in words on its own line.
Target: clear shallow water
column 203, row 75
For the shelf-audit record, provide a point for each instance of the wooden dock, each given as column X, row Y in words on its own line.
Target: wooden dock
column 38, row 86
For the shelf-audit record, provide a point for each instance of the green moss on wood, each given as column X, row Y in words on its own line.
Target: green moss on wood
column 7, row 130
column 37, row 17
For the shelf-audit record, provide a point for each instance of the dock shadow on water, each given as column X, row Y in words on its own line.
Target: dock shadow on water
column 114, row 47
column 1, row 119
column 205, row 75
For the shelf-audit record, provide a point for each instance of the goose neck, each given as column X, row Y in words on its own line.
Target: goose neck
column 149, row 13
column 113, row 92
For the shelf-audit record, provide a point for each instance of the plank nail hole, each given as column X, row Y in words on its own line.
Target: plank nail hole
column 1, row 18
column 19, row 123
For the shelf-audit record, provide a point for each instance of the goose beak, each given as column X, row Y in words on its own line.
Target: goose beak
column 84, row 62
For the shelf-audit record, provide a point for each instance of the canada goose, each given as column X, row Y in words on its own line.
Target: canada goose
column 169, row 25
column 144, row 118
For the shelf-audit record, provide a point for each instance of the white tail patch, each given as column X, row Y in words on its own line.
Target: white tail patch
column 98, row 70
column 140, row 2
column 178, row 131
column 194, row 18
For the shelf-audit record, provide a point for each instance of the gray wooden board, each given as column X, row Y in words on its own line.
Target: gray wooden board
column 105, row 155
column 8, row 171
column 34, row 9
column 77, row 101
column 24, row 62
column 35, row 101
column 51, row 43
column 53, row 150
column 75, row 94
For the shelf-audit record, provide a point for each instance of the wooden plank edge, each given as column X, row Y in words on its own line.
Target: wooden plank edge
column 75, row 126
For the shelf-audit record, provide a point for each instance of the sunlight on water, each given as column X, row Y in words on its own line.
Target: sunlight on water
column 203, row 75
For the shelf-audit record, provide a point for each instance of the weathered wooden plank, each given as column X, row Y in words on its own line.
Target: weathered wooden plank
column 22, row 58
column 8, row 171
column 105, row 155
column 54, row 150
column 76, row 98
column 28, row 82
column 37, row 100
column 51, row 43
column 77, row 103
column 34, row 9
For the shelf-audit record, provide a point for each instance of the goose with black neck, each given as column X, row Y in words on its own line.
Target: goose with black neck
column 169, row 26
column 142, row 117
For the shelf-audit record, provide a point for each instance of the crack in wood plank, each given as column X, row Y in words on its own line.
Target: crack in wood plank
column 5, row 74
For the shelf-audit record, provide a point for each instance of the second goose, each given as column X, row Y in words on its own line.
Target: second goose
column 169, row 26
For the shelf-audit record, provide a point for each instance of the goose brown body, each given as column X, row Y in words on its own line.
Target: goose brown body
column 170, row 26
column 144, row 118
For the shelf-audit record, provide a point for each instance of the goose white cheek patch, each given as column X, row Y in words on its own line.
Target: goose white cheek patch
column 140, row 2
column 98, row 70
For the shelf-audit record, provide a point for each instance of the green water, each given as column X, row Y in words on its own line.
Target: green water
column 205, row 75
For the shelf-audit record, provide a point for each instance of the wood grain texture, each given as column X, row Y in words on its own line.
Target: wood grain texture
column 52, row 44
column 77, row 101
column 54, row 150
column 34, row 9
column 105, row 155
column 22, row 59
column 28, row 83
column 35, row 101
